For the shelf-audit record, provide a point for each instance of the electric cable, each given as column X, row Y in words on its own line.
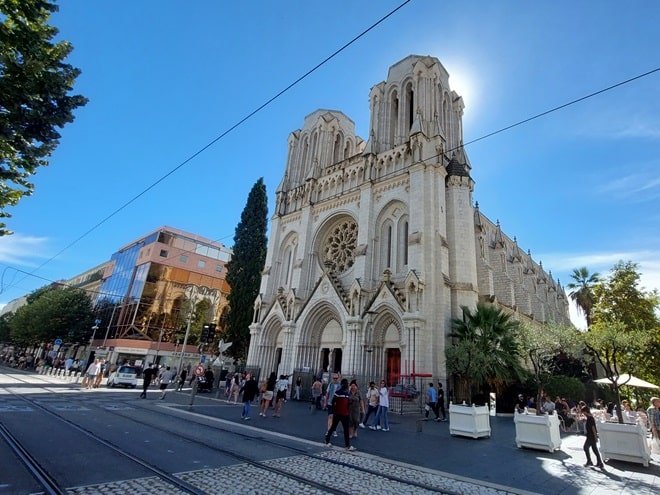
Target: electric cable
column 220, row 136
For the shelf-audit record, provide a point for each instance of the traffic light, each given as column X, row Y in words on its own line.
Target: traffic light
column 208, row 333
column 212, row 327
column 205, row 333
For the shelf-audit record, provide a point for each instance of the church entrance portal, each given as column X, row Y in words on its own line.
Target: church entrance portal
column 393, row 366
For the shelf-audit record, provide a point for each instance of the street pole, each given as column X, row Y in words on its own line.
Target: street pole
column 190, row 315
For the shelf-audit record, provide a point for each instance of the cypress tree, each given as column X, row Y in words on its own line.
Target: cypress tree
column 244, row 269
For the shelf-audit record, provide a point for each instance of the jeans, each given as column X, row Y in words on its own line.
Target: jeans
column 592, row 442
column 336, row 419
column 382, row 413
column 247, row 407
column 370, row 409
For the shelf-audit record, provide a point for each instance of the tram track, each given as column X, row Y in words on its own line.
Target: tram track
column 47, row 481
column 404, row 478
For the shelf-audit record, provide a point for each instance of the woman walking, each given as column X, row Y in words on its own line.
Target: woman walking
column 383, row 406
column 268, row 394
column 592, row 439
column 355, row 409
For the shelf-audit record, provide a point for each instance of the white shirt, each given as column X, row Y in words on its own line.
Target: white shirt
column 384, row 397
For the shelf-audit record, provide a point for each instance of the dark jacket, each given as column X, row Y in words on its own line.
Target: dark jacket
column 250, row 390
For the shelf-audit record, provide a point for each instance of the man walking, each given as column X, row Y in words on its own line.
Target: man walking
column 329, row 396
column 340, row 414
column 147, row 377
column 592, row 439
column 441, row 402
column 165, row 380
column 250, row 391
column 431, row 402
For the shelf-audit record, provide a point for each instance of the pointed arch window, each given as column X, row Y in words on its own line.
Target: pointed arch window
column 394, row 117
column 410, row 106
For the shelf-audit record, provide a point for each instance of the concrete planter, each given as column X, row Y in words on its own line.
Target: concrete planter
column 469, row 421
column 537, row 432
column 624, row 442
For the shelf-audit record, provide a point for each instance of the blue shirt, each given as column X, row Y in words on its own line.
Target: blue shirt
column 431, row 395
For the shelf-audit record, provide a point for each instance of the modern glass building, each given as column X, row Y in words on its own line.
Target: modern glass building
column 153, row 285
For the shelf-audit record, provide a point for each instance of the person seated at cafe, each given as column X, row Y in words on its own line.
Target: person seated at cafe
column 548, row 406
column 629, row 416
column 521, row 403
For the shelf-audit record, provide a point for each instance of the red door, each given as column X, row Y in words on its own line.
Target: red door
column 393, row 366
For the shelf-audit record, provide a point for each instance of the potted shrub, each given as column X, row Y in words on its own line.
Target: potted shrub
column 484, row 352
column 613, row 346
column 541, row 345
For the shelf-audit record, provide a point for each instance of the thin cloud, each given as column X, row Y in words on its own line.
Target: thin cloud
column 638, row 130
column 22, row 250
column 640, row 186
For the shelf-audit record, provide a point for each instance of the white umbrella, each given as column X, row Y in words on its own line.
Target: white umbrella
column 629, row 380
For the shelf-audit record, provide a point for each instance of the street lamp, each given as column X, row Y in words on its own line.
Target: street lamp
column 193, row 293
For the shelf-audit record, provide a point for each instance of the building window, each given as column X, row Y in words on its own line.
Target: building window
column 183, row 258
column 218, row 268
column 201, row 264
column 163, row 253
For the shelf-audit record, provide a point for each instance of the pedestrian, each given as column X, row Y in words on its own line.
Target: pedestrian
column 592, row 439
column 653, row 418
column 372, row 404
column 521, row 404
column 268, row 394
column 235, row 388
column 90, row 377
column 250, row 391
column 147, row 377
column 441, row 402
column 383, row 406
column 165, row 378
column 103, row 368
column 329, row 395
column 182, row 379
column 281, row 386
column 355, row 408
column 298, row 387
column 431, row 402
column 341, row 411
column 317, row 391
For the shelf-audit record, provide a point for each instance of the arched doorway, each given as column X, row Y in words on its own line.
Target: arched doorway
column 331, row 349
column 392, row 355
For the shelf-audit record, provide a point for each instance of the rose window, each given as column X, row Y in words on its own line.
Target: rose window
column 339, row 246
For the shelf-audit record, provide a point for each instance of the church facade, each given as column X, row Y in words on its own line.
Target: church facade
column 376, row 245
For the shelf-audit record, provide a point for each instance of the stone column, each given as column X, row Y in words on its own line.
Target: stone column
column 287, row 364
column 255, row 343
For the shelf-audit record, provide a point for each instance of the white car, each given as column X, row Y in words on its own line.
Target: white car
column 125, row 376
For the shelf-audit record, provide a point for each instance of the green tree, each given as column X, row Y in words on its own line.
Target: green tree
column 582, row 291
column 485, row 350
column 244, row 269
column 619, row 298
column 59, row 313
column 617, row 350
column 5, row 326
column 541, row 347
column 34, row 95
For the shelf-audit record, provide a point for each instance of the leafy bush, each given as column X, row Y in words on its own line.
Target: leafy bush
column 564, row 386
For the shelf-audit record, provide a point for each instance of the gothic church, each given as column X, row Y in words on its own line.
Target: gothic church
column 376, row 245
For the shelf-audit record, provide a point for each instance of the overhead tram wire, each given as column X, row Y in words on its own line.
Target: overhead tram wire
column 485, row 136
column 221, row 135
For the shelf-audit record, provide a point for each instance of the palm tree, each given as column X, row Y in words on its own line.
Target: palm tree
column 582, row 291
column 485, row 349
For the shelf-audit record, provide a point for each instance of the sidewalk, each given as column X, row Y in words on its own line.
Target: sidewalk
column 495, row 460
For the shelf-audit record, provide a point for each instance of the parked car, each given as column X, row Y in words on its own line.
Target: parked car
column 125, row 376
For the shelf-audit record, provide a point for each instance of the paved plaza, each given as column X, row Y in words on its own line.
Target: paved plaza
column 495, row 460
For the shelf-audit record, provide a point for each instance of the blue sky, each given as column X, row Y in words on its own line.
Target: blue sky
column 578, row 187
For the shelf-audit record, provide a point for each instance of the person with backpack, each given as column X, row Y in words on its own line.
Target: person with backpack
column 340, row 414
column 250, row 391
